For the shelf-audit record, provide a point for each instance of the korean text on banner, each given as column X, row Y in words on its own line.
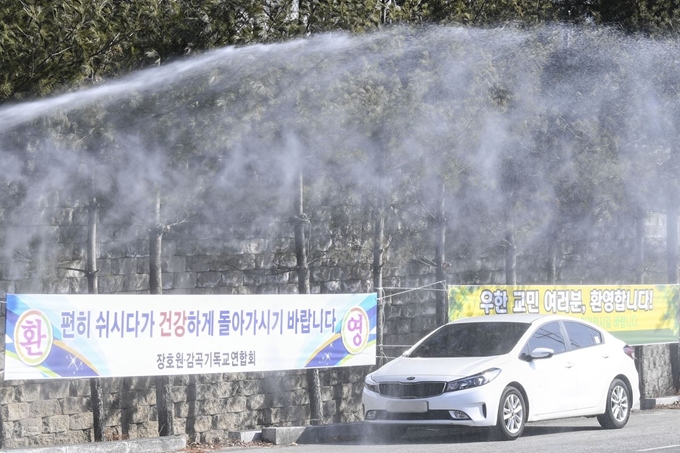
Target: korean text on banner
column 78, row 336
column 637, row 314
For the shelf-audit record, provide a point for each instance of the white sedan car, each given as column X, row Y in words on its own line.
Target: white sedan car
column 503, row 371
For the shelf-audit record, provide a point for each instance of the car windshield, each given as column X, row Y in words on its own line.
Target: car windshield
column 474, row 339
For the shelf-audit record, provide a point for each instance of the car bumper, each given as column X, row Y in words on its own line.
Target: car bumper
column 470, row 407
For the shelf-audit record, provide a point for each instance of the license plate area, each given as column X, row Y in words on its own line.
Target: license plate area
column 407, row 406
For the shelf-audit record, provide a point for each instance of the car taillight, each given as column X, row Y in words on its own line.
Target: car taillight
column 630, row 351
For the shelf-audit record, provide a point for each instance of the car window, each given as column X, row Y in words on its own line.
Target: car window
column 475, row 339
column 582, row 336
column 548, row 336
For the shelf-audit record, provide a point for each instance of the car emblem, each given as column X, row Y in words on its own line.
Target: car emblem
column 410, row 378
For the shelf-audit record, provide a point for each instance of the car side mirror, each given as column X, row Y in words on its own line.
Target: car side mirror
column 536, row 354
column 541, row 353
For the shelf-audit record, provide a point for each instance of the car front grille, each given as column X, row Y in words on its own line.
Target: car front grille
column 425, row 416
column 412, row 390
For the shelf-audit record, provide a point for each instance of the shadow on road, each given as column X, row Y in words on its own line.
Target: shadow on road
column 459, row 435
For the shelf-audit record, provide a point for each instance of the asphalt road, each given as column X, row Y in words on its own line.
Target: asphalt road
column 647, row 431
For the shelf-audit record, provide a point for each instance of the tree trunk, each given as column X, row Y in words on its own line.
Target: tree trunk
column 640, row 247
column 378, row 257
column 164, row 405
column 551, row 265
column 92, row 288
column 155, row 243
column 300, row 222
column 511, row 257
column 672, row 241
column 442, row 306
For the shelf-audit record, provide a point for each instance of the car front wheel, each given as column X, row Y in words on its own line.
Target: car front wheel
column 617, row 411
column 511, row 415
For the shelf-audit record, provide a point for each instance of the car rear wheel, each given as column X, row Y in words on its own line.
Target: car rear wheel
column 617, row 411
column 511, row 415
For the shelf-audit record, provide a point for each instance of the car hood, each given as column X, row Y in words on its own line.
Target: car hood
column 426, row 369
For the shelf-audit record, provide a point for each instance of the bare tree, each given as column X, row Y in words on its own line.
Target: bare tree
column 300, row 222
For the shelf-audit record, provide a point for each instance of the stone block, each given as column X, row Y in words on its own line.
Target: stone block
column 132, row 431
column 201, row 424
column 31, row 286
column 284, row 399
column 146, row 396
column 330, row 408
column 225, row 389
column 296, row 415
column 212, row 436
column 139, row 414
column 247, row 387
column 29, row 427
column 255, row 402
column 74, row 405
column 352, row 287
column 184, row 409
column 142, row 265
column 423, row 324
column 7, row 394
column 207, row 379
column 15, row 411
column 209, row 407
column 174, row 264
column 150, row 429
column 80, row 421
column 235, row 404
column 184, row 280
column 208, row 279
column 245, row 436
column 283, row 383
column 179, row 426
column 343, row 391
column 56, row 424
column 111, row 284
column 112, row 417
column 136, row 282
column 21, row 442
column 232, row 278
column 177, row 394
column 44, row 408
column 282, row 435
column 138, row 383
column 124, row 266
column 227, row 422
column 54, row 389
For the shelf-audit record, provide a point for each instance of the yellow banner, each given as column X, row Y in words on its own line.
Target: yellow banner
column 638, row 314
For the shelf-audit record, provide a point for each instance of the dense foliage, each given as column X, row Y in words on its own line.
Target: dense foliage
column 52, row 45
column 529, row 128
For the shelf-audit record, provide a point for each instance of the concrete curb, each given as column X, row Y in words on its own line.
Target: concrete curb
column 306, row 434
column 152, row 445
column 651, row 403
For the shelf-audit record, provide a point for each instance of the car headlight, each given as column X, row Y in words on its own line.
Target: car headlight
column 370, row 384
column 473, row 381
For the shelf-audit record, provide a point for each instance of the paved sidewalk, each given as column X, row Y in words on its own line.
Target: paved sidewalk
column 153, row 445
column 275, row 436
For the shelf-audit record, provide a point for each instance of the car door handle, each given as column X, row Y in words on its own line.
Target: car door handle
column 568, row 364
column 605, row 356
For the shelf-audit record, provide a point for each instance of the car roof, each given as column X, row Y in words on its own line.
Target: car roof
column 527, row 318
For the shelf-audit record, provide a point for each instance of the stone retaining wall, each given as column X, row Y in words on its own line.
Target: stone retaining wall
column 205, row 259
column 659, row 370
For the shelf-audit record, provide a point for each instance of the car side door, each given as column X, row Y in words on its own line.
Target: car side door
column 550, row 382
column 591, row 361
